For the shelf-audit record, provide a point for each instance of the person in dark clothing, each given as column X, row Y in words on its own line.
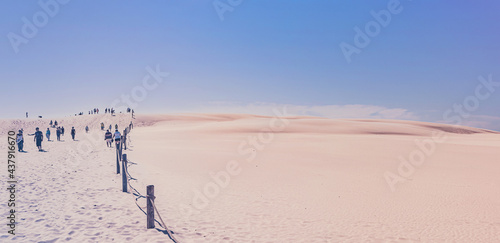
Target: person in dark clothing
column 20, row 141
column 73, row 133
column 38, row 139
column 109, row 138
column 62, row 130
column 58, row 134
column 48, row 134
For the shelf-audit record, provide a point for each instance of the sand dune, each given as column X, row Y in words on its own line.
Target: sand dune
column 321, row 180
column 245, row 178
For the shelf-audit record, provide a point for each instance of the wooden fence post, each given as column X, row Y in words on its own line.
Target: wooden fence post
column 117, row 159
column 150, row 209
column 125, row 139
column 120, row 148
column 124, row 174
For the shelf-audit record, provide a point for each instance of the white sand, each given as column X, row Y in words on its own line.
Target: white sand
column 311, row 180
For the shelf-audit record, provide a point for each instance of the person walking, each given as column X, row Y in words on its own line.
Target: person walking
column 102, row 126
column 110, row 127
column 47, row 133
column 62, row 130
column 58, row 134
column 55, row 123
column 116, row 126
column 38, row 139
column 73, row 133
column 87, row 129
column 50, row 123
column 117, row 136
column 108, row 136
column 20, row 141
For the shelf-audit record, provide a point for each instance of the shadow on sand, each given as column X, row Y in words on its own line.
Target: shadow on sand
column 164, row 231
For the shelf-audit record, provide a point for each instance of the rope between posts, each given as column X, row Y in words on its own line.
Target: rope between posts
column 138, row 195
column 129, row 178
column 163, row 225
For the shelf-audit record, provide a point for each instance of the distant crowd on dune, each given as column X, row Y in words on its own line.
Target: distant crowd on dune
column 106, row 111
column 96, row 111
column 38, row 137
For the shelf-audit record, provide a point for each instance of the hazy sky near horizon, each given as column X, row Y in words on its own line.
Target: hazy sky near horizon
column 253, row 56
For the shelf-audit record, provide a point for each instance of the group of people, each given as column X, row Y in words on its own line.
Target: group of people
column 59, row 132
column 38, row 135
column 110, row 126
column 109, row 110
column 116, row 136
column 53, row 124
column 38, row 138
column 109, row 137
column 94, row 111
column 131, row 111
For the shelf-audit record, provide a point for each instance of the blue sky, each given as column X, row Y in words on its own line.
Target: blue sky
column 261, row 55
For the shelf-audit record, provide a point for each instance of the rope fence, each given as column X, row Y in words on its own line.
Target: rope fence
column 127, row 178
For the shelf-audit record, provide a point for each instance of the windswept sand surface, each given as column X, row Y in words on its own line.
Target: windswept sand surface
column 244, row 178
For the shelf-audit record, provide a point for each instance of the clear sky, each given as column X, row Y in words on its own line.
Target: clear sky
column 415, row 62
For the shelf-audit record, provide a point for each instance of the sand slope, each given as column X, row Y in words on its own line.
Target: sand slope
column 244, row 178
column 321, row 180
